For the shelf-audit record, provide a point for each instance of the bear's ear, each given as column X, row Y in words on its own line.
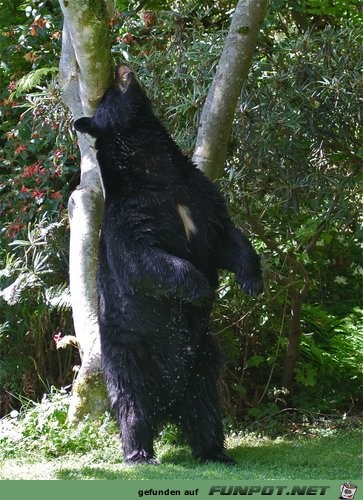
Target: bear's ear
column 85, row 125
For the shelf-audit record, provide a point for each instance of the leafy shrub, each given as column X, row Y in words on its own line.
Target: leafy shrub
column 38, row 169
column 331, row 351
column 42, row 428
column 35, row 312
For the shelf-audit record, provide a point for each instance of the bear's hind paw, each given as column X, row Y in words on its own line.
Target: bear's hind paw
column 139, row 457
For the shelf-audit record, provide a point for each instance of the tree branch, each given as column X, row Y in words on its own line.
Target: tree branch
column 218, row 111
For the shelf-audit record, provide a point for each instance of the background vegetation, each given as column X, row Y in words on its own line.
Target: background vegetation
column 292, row 180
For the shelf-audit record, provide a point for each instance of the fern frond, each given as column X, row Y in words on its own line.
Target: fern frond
column 12, row 265
column 58, row 297
column 13, row 292
column 32, row 79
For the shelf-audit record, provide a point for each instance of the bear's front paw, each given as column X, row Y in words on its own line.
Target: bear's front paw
column 252, row 286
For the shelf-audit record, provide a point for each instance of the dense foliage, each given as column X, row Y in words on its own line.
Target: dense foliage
column 292, row 181
column 37, row 170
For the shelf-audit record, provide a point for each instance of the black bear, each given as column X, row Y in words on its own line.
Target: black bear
column 164, row 235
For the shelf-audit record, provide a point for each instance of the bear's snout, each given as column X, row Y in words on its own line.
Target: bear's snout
column 122, row 74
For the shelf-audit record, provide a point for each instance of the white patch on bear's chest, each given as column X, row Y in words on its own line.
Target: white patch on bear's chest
column 189, row 226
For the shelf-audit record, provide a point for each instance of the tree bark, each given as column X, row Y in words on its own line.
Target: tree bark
column 84, row 73
column 87, row 24
column 218, row 111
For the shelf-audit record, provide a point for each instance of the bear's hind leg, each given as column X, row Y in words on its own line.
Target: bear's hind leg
column 127, row 385
column 136, row 435
column 199, row 412
column 201, row 424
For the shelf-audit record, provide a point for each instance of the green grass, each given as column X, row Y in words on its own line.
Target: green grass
column 329, row 457
column 39, row 444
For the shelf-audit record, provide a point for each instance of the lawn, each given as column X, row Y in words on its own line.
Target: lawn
column 335, row 457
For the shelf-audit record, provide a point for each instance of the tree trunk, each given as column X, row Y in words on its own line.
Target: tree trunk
column 293, row 341
column 218, row 111
column 84, row 74
column 297, row 295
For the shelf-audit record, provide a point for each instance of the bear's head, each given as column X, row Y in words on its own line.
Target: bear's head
column 122, row 105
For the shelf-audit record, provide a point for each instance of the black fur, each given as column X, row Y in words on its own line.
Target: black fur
column 157, row 279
